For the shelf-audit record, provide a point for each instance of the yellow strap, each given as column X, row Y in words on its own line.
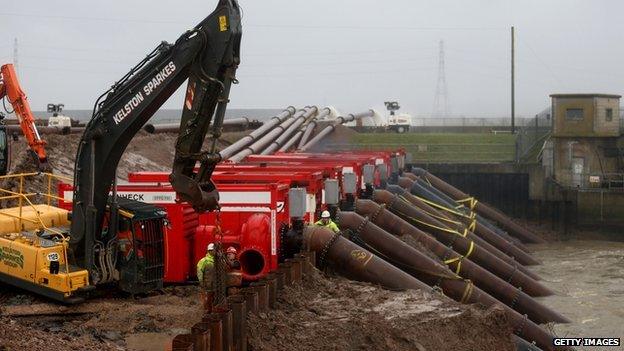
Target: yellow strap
column 460, row 258
column 468, row 291
column 432, row 214
column 471, row 200
column 443, row 208
column 473, row 225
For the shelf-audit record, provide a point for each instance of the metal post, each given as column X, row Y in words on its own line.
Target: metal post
column 21, row 192
column 513, row 86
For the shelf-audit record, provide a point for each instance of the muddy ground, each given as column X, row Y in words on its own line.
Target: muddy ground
column 324, row 313
column 336, row 314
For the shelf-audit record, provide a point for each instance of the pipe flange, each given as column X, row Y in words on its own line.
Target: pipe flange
column 381, row 208
column 516, row 297
column 325, row 251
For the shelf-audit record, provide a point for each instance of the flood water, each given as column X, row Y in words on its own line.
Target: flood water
column 589, row 279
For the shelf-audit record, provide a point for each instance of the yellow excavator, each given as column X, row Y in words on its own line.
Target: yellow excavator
column 108, row 240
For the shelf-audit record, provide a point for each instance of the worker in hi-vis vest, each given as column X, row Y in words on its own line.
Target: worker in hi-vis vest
column 206, row 277
column 327, row 222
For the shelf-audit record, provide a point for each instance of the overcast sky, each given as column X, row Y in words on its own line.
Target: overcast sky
column 353, row 54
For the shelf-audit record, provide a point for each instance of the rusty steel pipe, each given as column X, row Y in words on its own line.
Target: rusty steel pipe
column 427, row 270
column 182, row 342
column 497, row 241
column 216, row 331
column 305, row 263
column 263, row 295
column 355, row 262
column 251, row 299
column 297, row 269
column 237, row 304
column 200, row 333
column 425, row 190
column 227, row 322
column 279, row 276
column 513, row 228
column 424, row 220
column 286, row 269
column 271, row 282
column 410, row 175
column 471, row 250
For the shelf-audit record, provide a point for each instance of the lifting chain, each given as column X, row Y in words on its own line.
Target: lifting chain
column 220, row 263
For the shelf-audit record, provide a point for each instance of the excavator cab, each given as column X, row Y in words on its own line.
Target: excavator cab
column 140, row 238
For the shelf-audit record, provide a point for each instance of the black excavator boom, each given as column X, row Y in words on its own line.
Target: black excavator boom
column 208, row 56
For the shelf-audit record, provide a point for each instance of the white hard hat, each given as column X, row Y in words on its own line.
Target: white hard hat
column 325, row 214
column 210, row 246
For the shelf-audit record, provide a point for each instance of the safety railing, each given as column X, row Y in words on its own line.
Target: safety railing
column 25, row 199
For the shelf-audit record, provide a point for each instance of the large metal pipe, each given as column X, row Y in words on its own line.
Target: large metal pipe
column 309, row 129
column 309, row 111
column 295, row 138
column 467, row 245
column 499, row 288
column 513, row 228
column 355, row 262
column 426, row 190
column 431, row 224
column 46, row 130
column 175, row 127
column 261, row 143
column 457, row 223
column 327, row 130
column 253, row 136
column 420, row 191
column 435, row 274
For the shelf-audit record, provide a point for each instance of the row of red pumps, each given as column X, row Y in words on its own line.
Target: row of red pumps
column 260, row 199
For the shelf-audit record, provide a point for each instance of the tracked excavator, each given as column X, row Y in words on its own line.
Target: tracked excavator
column 11, row 90
column 109, row 240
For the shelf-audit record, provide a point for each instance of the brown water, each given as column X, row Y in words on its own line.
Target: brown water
column 589, row 279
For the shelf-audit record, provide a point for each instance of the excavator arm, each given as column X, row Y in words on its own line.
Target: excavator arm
column 208, row 56
column 11, row 89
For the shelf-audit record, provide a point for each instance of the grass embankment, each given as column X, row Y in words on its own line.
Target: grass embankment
column 443, row 147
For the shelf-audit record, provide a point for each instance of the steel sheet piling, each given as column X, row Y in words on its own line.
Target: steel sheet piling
column 200, row 333
column 237, row 304
column 216, row 331
column 182, row 342
column 251, row 299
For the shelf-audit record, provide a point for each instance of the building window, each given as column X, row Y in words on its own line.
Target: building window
column 609, row 114
column 574, row 114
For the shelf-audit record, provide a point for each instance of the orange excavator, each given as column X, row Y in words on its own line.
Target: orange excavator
column 11, row 89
